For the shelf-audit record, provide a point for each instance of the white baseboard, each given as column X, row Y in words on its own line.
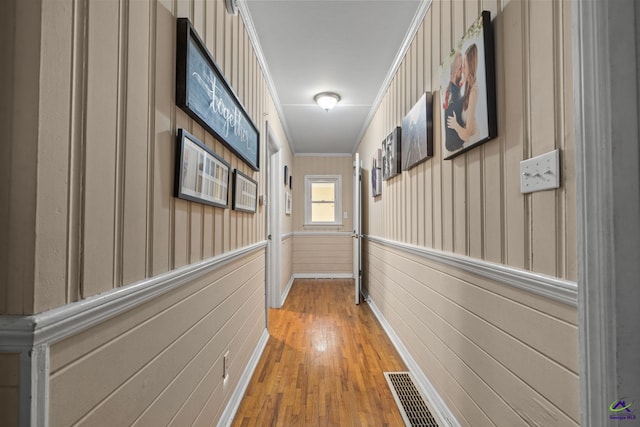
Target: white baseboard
column 323, row 276
column 285, row 294
column 441, row 410
column 236, row 398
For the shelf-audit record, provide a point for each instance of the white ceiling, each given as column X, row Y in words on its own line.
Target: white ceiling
column 350, row 47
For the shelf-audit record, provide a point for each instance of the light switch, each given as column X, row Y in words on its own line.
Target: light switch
column 540, row 173
column 345, row 215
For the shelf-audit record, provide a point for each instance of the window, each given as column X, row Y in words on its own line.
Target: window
column 323, row 199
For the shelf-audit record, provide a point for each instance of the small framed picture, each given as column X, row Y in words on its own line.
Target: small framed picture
column 245, row 192
column 201, row 175
column 391, row 154
column 287, row 203
column 286, row 175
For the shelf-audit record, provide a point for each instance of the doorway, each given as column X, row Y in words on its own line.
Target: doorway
column 274, row 241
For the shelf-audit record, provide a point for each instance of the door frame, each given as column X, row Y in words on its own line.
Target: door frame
column 273, row 228
column 607, row 165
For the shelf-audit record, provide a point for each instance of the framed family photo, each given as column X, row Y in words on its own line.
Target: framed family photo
column 468, row 91
column 417, row 133
column 391, row 154
column 201, row 175
column 376, row 173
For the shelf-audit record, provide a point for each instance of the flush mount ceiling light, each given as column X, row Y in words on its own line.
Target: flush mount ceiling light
column 327, row 100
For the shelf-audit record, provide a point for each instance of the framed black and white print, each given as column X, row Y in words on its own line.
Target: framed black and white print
column 391, row 154
column 417, row 133
column 201, row 175
column 205, row 95
column 245, row 192
column 376, row 173
column 287, row 203
column 468, row 91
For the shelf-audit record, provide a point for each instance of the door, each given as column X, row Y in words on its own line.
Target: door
column 272, row 202
column 357, row 221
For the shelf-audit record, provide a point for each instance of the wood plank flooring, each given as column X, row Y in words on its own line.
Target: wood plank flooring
column 323, row 364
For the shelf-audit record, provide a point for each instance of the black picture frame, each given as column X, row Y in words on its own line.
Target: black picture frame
column 245, row 192
column 376, row 173
column 286, row 175
column 205, row 95
column 475, row 49
column 417, row 133
column 392, row 154
column 201, row 175
column 290, row 182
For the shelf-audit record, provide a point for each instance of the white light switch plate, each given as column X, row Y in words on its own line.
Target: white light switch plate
column 540, row 173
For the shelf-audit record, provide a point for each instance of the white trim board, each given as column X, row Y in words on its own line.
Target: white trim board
column 285, row 294
column 322, row 233
column 56, row 324
column 322, row 275
column 560, row 290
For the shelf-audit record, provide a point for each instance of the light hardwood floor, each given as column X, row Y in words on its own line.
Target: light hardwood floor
column 323, row 364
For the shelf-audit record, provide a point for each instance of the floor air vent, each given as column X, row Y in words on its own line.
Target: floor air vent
column 412, row 406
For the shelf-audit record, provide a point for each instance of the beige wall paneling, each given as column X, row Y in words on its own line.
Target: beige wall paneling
column 475, row 170
column 138, row 139
column 197, row 324
column 494, row 152
column 9, row 388
column 568, row 155
column 470, row 329
column 459, row 188
column 21, row 208
column 515, row 76
column 163, row 218
column 7, row 42
column 544, row 109
column 53, row 146
column 322, row 254
column 423, row 214
column 432, row 44
column 103, row 144
column 499, row 360
column 447, row 166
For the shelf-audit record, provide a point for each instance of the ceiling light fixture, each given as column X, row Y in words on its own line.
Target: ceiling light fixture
column 327, row 100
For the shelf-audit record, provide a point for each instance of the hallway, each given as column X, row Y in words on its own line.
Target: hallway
column 324, row 363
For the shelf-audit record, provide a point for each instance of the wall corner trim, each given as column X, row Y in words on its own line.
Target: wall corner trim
column 560, row 290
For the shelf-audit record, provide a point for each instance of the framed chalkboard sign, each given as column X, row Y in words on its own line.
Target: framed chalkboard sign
column 206, row 96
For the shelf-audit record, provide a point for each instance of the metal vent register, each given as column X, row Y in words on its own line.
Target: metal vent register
column 412, row 406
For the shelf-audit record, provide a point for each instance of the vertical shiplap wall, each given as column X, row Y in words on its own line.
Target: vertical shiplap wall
column 95, row 167
column 472, row 205
column 479, row 342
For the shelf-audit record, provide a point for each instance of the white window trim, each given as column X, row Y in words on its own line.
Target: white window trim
column 337, row 180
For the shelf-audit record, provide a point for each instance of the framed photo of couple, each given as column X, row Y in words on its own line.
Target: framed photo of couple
column 468, row 91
